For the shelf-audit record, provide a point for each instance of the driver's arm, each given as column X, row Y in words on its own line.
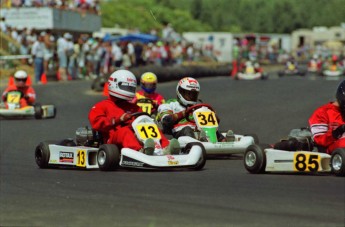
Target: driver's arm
column 319, row 126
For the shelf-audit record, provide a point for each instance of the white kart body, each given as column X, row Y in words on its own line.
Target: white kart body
column 331, row 73
column 285, row 161
column 86, row 157
column 249, row 76
column 239, row 145
column 48, row 111
column 221, row 148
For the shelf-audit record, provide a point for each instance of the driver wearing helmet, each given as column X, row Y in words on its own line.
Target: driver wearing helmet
column 28, row 94
column 172, row 114
column 113, row 117
column 327, row 123
column 148, row 82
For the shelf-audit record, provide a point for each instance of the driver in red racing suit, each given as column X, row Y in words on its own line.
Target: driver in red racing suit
column 327, row 123
column 28, row 94
column 113, row 116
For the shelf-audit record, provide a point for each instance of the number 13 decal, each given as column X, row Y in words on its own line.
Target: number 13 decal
column 148, row 131
column 81, row 158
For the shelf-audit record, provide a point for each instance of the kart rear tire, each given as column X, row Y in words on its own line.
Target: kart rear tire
column 108, row 157
column 254, row 158
column 338, row 162
column 38, row 111
column 42, row 155
column 202, row 161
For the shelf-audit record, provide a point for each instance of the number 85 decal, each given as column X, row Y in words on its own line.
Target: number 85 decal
column 306, row 162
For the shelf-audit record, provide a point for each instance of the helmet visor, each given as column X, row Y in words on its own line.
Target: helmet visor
column 127, row 87
column 189, row 95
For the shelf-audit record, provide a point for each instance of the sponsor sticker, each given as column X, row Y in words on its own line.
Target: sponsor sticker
column 66, row 157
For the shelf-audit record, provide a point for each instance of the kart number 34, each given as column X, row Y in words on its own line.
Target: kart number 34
column 207, row 119
column 148, row 131
column 306, row 162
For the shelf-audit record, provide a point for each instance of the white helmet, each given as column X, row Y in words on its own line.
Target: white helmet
column 21, row 74
column 122, row 84
column 187, row 91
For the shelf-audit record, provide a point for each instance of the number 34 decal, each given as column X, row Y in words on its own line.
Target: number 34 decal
column 306, row 162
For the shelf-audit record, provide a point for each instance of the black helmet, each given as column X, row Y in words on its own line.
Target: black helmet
column 340, row 96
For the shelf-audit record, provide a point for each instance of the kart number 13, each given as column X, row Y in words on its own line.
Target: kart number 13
column 81, row 158
column 148, row 131
column 306, row 162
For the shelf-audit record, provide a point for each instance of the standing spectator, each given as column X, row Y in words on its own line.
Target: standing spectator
column 100, row 51
column 3, row 25
column 37, row 52
column 138, row 52
column 71, row 58
column 62, row 55
column 177, row 53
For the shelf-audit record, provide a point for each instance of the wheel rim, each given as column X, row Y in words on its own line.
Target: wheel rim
column 337, row 162
column 101, row 157
column 250, row 158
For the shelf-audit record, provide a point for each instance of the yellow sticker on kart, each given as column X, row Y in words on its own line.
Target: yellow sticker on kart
column 146, row 131
column 13, row 97
column 146, row 107
column 206, row 119
column 81, row 158
column 305, row 162
column 250, row 70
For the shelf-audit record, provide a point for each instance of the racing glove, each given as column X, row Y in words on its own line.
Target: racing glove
column 167, row 124
column 178, row 116
column 338, row 132
column 125, row 117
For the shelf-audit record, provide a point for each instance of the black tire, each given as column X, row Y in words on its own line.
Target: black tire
column 338, row 162
column 255, row 137
column 42, row 155
column 98, row 83
column 254, row 158
column 201, row 163
column 38, row 111
column 280, row 74
column 108, row 157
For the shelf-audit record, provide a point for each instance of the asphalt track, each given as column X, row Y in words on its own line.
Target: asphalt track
column 222, row 194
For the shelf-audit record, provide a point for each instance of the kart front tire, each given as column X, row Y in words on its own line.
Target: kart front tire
column 108, row 157
column 338, row 162
column 254, row 158
column 202, row 161
column 38, row 111
column 42, row 155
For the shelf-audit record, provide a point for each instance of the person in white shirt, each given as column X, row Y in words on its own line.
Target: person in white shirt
column 62, row 46
column 38, row 50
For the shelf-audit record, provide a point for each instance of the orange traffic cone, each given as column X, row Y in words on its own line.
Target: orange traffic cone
column 44, row 79
column 58, row 77
column 28, row 81
column 105, row 89
column 234, row 68
column 11, row 81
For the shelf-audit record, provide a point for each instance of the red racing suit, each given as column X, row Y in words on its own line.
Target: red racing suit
column 29, row 95
column 322, row 122
column 104, row 117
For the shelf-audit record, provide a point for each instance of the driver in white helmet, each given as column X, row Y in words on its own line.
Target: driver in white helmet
column 28, row 94
column 113, row 117
column 172, row 114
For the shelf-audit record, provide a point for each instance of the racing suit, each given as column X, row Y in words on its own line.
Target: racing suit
column 28, row 95
column 173, row 108
column 105, row 118
column 157, row 99
column 322, row 122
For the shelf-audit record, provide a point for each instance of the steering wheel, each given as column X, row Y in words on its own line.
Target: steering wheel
column 137, row 114
column 191, row 109
column 145, row 100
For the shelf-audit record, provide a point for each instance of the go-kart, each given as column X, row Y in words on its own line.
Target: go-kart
column 333, row 71
column 88, row 152
column 250, row 74
column 13, row 109
column 261, row 158
column 291, row 70
column 314, row 67
column 206, row 133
